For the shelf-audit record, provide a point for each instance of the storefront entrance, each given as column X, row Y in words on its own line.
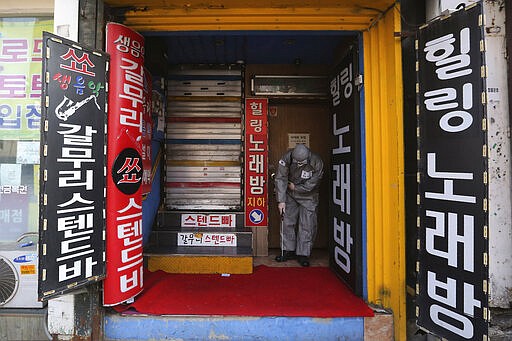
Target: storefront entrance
column 304, row 118
column 377, row 26
column 294, row 116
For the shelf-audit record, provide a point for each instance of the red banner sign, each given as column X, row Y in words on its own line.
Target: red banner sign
column 256, row 159
column 124, row 165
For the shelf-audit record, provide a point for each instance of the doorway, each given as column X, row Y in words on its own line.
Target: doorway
column 298, row 54
column 275, row 53
column 312, row 120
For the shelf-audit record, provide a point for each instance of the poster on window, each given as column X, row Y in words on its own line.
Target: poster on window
column 72, row 182
column 346, row 230
column 21, row 42
column 452, row 268
column 20, row 77
column 124, row 165
column 256, row 159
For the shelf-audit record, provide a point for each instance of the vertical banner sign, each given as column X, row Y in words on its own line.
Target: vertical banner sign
column 147, row 126
column 124, row 165
column 256, row 157
column 452, row 288
column 72, row 181
column 345, row 235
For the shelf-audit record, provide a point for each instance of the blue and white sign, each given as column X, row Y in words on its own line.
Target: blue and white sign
column 256, row 216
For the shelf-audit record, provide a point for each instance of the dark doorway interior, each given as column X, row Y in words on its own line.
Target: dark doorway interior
column 267, row 53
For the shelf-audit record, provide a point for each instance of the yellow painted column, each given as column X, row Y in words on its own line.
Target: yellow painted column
column 385, row 168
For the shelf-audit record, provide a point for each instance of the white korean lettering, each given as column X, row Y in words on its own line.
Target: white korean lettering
column 342, row 258
column 463, row 117
column 255, row 145
column 71, row 138
column 341, row 149
column 442, row 99
column 342, row 182
column 469, row 300
column 447, row 193
column 467, row 328
column 68, row 247
column 256, row 184
column 342, row 82
column 130, row 117
column 131, row 281
column 75, row 199
column 440, row 50
column 133, row 91
column 256, row 108
column 72, row 178
column 448, row 288
column 346, row 80
column 437, row 99
column 453, row 238
column 67, row 271
column 257, row 125
column 76, row 147
column 343, row 237
column 79, row 222
column 335, row 90
column 129, row 231
column 256, row 163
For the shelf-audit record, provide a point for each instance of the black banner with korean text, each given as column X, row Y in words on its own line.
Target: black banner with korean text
column 345, row 233
column 452, row 268
column 72, row 176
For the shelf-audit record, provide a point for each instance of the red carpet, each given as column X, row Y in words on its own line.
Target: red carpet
column 269, row 291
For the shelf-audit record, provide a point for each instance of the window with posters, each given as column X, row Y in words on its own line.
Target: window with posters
column 20, row 113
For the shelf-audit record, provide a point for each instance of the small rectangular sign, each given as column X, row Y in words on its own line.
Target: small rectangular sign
column 72, row 182
column 208, row 220
column 256, row 162
column 206, row 239
column 27, row 152
column 298, row 138
column 14, row 216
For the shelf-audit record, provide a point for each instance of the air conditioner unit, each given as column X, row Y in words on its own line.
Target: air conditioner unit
column 18, row 276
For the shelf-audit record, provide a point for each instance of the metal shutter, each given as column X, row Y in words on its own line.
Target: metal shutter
column 204, row 138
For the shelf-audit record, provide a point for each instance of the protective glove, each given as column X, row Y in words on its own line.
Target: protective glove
column 281, row 206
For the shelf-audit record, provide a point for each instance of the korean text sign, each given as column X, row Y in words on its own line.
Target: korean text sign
column 147, row 126
column 20, row 77
column 345, row 236
column 124, row 165
column 256, row 158
column 452, row 178
column 21, row 42
column 72, row 182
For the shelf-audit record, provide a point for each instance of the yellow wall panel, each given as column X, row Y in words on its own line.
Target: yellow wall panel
column 385, row 168
column 197, row 15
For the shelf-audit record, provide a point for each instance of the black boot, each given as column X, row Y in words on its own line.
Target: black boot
column 285, row 255
column 303, row 260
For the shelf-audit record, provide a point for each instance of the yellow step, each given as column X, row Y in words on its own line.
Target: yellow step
column 184, row 264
